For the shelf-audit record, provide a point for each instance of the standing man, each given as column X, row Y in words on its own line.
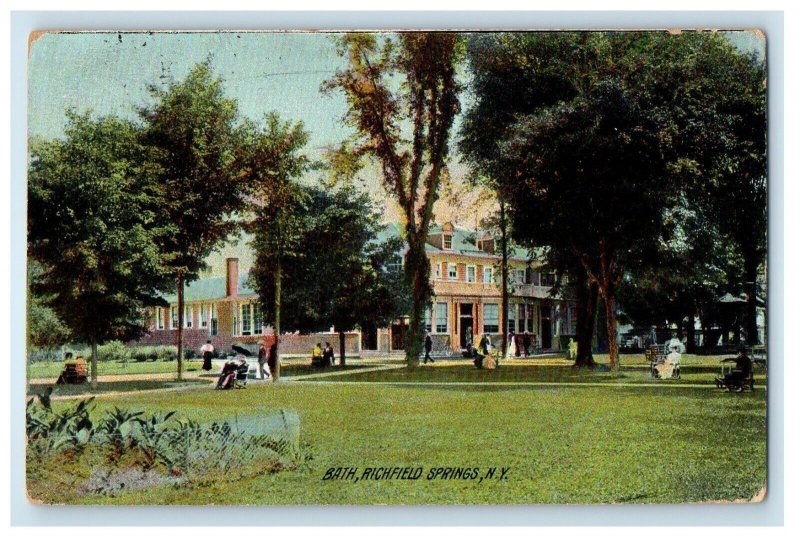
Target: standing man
column 262, row 361
column 428, row 347
column 526, row 342
column 207, row 351
column 272, row 361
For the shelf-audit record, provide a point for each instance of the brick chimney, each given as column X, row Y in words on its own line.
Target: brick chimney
column 232, row 277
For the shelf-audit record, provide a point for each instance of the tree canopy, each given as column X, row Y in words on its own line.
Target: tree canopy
column 93, row 231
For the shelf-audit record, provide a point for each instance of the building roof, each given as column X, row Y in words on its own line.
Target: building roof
column 208, row 289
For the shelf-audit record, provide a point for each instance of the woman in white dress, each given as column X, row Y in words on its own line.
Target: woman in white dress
column 512, row 346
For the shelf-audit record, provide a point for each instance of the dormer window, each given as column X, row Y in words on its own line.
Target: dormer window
column 447, row 241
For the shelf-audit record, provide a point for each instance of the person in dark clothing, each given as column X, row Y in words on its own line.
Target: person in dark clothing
column 428, row 347
column 207, row 351
column 526, row 342
column 327, row 355
column 262, row 361
column 272, row 359
column 742, row 370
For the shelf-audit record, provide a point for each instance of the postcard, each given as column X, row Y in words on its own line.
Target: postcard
column 403, row 268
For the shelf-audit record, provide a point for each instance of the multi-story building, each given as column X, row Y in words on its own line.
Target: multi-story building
column 465, row 272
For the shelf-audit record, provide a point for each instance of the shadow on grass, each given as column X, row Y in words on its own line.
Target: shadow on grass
column 122, row 386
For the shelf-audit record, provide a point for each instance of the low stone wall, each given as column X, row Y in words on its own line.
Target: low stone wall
column 291, row 344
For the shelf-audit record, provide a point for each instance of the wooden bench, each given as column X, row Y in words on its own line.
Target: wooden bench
column 73, row 373
column 654, row 353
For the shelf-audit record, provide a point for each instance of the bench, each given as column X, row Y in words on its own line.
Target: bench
column 73, row 373
column 654, row 353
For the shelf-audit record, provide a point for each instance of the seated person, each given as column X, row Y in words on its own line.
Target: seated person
column 741, row 371
column 470, row 351
column 228, row 374
column 316, row 355
column 666, row 368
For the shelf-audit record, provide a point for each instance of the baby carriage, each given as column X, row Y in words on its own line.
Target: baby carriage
column 233, row 375
column 665, row 362
column 733, row 378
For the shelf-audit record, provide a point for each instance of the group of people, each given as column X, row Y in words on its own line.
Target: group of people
column 267, row 361
column 515, row 349
column 322, row 357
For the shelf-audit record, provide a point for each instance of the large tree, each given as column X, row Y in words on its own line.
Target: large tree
column 92, row 230
column 190, row 130
column 335, row 269
column 597, row 134
column 274, row 161
column 402, row 98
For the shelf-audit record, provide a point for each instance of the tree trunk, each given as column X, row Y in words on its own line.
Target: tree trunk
column 418, row 271
column 179, row 335
column 503, row 280
column 611, row 320
column 341, row 348
column 750, row 316
column 277, row 328
column 587, row 293
column 691, row 347
column 94, row 365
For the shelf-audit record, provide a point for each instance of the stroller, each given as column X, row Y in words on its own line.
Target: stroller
column 734, row 381
column 233, row 375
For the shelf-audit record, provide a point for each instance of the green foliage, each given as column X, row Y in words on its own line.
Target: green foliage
column 402, row 97
column 113, row 350
column 338, row 274
column 91, row 229
column 155, row 445
column 195, row 152
column 599, row 134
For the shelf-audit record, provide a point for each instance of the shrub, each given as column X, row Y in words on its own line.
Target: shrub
column 168, row 353
column 113, row 350
column 69, row 455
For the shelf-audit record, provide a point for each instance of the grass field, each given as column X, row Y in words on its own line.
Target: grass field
column 562, row 444
column 43, row 370
column 695, row 370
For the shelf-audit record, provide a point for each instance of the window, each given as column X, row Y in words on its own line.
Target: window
column 203, row 316
column 257, row 324
column 213, row 315
column 535, row 280
column 159, row 318
column 573, row 319
column 529, row 318
column 548, row 279
column 245, row 316
column 491, row 318
column 471, row 273
column 512, row 319
column 448, row 242
column 441, row 318
column 188, row 313
column 438, row 272
column 521, row 317
column 487, row 275
column 452, row 271
column 428, row 320
column 251, row 319
column 518, row 276
column 395, row 265
column 173, row 317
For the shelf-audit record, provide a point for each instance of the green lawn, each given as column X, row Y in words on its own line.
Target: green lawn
column 39, row 370
column 46, row 370
column 534, row 370
column 562, row 444
column 117, row 386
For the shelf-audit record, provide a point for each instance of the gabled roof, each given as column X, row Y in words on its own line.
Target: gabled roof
column 209, row 289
